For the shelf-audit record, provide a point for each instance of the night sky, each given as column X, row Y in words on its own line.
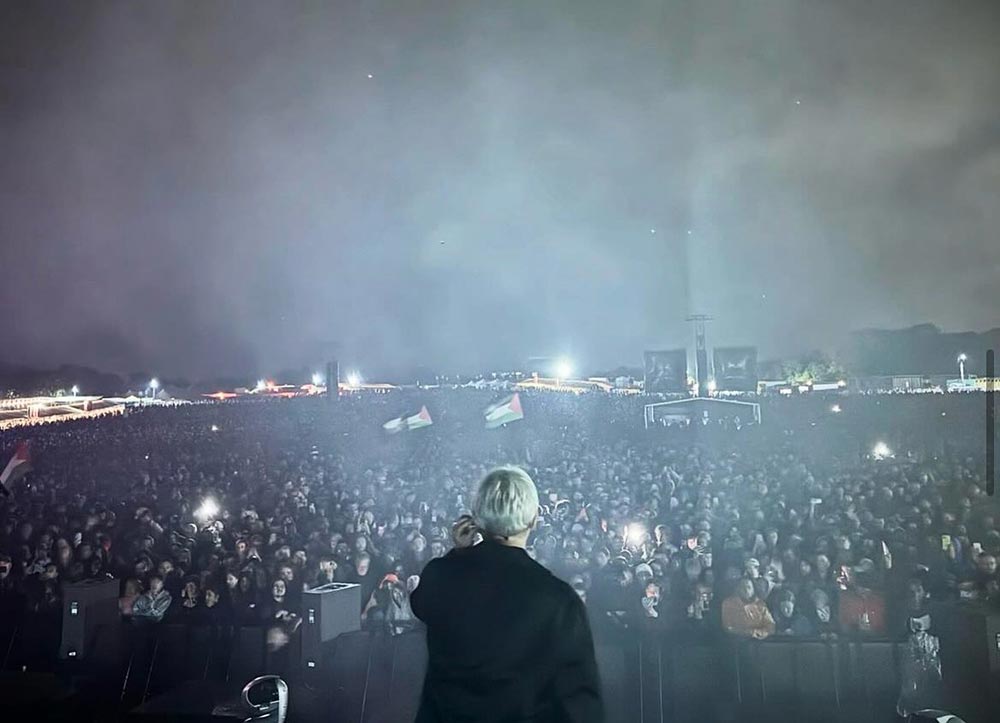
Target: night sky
column 207, row 188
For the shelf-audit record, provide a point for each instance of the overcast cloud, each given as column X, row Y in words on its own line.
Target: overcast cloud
column 220, row 187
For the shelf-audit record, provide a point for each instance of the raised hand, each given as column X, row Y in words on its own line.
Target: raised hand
column 463, row 532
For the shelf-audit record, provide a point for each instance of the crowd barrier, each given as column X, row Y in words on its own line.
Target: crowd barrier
column 377, row 678
column 372, row 677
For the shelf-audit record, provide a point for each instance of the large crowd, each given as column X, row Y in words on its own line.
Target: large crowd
column 223, row 514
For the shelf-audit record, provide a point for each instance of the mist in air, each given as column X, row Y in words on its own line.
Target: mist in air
column 232, row 188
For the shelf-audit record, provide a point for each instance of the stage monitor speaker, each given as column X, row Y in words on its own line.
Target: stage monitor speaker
column 87, row 606
column 328, row 611
column 969, row 632
column 970, row 635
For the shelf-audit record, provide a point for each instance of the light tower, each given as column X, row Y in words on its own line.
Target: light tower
column 700, row 351
column 332, row 381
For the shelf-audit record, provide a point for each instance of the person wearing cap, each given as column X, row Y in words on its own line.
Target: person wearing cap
column 506, row 639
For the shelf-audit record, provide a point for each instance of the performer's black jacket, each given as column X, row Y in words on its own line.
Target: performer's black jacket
column 507, row 641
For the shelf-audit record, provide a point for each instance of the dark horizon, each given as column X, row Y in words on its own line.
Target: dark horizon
column 919, row 349
column 213, row 190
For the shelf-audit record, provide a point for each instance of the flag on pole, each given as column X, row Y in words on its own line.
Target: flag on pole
column 509, row 410
column 416, row 421
column 17, row 467
column 420, row 419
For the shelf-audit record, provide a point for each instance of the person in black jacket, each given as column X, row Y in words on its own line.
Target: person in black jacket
column 507, row 640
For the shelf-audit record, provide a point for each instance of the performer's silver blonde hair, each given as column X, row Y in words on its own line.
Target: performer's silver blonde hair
column 506, row 502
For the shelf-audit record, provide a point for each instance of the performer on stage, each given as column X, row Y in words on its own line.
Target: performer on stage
column 507, row 640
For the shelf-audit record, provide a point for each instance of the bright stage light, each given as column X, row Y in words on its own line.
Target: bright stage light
column 215, row 427
column 835, row 409
column 712, row 386
column 353, row 379
column 261, row 384
column 208, row 510
column 154, row 384
column 881, row 451
column 962, row 357
column 317, row 379
column 564, row 369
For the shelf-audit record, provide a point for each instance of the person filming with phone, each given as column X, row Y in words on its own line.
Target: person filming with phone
column 506, row 639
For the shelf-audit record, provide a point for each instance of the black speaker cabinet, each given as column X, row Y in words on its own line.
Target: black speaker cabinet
column 328, row 611
column 970, row 655
column 87, row 606
column 969, row 634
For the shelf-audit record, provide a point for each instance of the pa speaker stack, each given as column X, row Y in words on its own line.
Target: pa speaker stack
column 328, row 611
column 87, row 606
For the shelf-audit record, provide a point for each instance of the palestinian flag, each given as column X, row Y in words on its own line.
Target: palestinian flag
column 19, row 465
column 395, row 425
column 418, row 420
column 509, row 410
